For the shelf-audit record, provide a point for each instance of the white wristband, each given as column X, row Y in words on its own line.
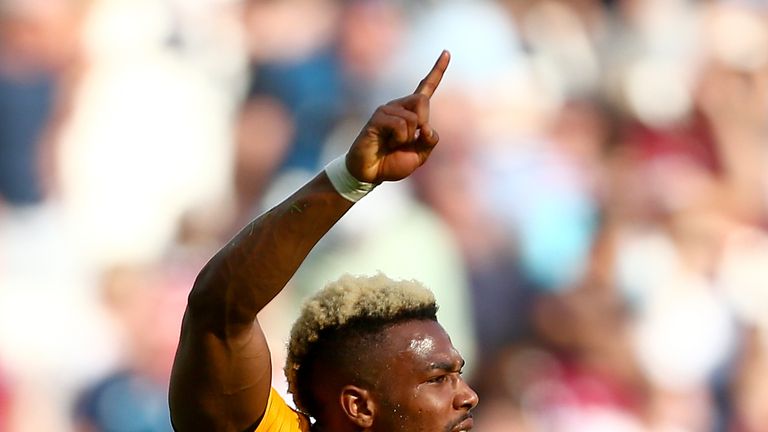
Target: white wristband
column 345, row 183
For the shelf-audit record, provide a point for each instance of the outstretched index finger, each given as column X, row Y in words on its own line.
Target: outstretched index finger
column 429, row 84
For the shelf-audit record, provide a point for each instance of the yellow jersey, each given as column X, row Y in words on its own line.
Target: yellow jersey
column 279, row 417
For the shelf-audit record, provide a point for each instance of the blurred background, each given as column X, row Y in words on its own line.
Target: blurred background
column 593, row 222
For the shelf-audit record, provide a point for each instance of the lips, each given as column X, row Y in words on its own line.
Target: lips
column 465, row 425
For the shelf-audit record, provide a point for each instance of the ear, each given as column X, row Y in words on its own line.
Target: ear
column 358, row 405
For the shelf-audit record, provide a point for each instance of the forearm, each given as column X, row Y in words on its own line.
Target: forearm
column 258, row 262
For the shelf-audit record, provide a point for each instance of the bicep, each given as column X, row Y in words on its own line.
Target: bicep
column 219, row 383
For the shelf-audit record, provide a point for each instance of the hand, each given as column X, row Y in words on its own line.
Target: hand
column 398, row 138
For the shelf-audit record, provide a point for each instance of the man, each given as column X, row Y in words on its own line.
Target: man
column 366, row 354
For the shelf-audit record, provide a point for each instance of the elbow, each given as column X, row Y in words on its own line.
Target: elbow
column 206, row 296
column 216, row 304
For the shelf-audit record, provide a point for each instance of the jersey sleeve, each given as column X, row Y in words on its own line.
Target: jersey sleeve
column 279, row 417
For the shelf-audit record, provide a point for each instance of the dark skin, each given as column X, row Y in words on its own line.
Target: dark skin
column 221, row 377
column 425, row 391
column 413, row 383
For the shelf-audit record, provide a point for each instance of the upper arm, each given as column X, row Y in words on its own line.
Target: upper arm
column 219, row 382
column 221, row 376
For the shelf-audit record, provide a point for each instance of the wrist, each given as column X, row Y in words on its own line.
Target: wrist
column 344, row 182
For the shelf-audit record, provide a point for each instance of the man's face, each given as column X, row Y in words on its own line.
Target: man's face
column 422, row 389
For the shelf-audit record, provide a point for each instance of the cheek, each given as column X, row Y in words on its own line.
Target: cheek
column 427, row 408
column 436, row 400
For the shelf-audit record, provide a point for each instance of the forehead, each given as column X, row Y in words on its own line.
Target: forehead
column 421, row 342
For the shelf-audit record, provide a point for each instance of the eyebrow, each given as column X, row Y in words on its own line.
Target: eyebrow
column 447, row 365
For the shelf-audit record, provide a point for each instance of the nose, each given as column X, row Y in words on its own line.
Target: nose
column 465, row 398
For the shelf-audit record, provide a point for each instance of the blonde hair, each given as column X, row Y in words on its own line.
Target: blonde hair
column 351, row 302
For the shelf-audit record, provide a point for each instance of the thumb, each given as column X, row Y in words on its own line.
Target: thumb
column 428, row 137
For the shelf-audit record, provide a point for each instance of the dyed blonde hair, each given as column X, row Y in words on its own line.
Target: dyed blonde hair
column 349, row 303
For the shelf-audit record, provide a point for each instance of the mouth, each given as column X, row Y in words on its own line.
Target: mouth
column 464, row 426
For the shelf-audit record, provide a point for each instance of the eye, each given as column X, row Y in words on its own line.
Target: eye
column 438, row 379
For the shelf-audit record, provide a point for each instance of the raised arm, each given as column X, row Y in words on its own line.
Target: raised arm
column 221, row 375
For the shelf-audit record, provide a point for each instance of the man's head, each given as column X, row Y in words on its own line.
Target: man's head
column 368, row 351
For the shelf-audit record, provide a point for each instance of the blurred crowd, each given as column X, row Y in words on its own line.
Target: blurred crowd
column 593, row 221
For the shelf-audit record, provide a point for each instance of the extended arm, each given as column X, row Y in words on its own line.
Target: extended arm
column 221, row 375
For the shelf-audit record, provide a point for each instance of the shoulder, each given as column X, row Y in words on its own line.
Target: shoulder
column 279, row 417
